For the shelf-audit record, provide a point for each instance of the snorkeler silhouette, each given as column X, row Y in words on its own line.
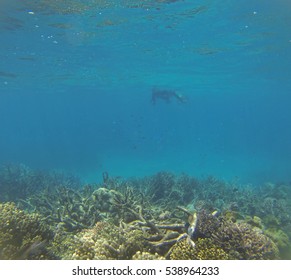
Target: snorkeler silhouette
column 167, row 95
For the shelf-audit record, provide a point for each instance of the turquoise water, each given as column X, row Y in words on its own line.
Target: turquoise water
column 76, row 80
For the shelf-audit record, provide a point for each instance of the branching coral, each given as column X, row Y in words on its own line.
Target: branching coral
column 120, row 218
column 79, row 209
column 19, row 181
column 161, row 185
column 65, row 207
column 222, row 239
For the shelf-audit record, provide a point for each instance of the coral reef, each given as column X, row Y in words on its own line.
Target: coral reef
column 65, row 207
column 207, row 223
column 146, row 256
column 241, row 241
column 183, row 250
column 22, row 235
column 220, row 238
column 19, row 181
column 104, row 241
column 159, row 217
column 205, row 249
column 280, row 238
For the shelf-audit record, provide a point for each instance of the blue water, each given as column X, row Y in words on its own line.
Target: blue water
column 76, row 80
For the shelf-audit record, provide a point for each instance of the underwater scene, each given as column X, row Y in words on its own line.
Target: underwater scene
column 145, row 130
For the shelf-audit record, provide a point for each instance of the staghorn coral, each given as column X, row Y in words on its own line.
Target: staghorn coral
column 134, row 206
column 160, row 236
column 125, row 204
column 69, row 208
column 108, row 241
column 19, row 181
column 75, row 209
column 22, row 235
column 161, row 185
column 222, row 238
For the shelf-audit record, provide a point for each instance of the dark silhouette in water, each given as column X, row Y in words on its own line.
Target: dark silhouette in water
column 167, row 95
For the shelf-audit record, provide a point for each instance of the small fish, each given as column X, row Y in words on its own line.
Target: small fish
column 192, row 220
column 7, row 74
column 27, row 58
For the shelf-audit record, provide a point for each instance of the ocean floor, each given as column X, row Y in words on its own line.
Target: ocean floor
column 52, row 215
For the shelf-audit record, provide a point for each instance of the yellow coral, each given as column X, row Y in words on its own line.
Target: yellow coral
column 21, row 233
column 207, row 250
column 147, row 256
column 204, row 249
column 104, row 241
column 182, row 250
